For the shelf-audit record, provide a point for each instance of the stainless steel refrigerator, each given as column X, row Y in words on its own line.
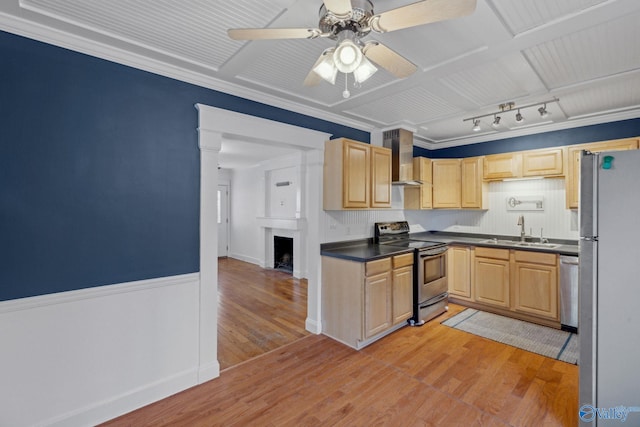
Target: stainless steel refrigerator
column 609, row 288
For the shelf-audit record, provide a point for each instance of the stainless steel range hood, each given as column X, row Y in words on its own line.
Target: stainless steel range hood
column 400, row 141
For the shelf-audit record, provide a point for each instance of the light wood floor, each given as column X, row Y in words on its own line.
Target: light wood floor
column 423, row 376
column 258, row 310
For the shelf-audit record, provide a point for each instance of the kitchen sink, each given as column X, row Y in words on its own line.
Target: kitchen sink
column 499, row 242
column 537, row 245
column 519, row 244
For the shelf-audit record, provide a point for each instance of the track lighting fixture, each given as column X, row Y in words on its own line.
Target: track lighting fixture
column 509, row 106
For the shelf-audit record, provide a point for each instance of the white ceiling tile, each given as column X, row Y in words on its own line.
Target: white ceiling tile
column 521, row 16
column 191, row 31
column 596, row 52
column 618, row 94
column 490, row 83
column 414, row 106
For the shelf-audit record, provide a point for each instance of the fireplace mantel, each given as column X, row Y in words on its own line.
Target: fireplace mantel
column 281, row 223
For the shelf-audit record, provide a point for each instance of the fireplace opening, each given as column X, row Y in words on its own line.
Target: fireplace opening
column 283, row 253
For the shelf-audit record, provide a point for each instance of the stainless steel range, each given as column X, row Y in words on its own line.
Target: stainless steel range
column 430, row 297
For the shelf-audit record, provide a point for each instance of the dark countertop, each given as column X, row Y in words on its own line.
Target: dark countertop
column 366, row 250
column 360, row 250
column 565, row 247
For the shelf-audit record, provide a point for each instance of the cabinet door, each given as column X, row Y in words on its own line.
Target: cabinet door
column 402, row 298
column 356, row 174
column 423, row 171
column 446, row 183
column 380, row 177
column 459, row 271
column 543, row 162
column 473, row 191
column 377, row 304
column 536, row 289
column 572, row 178
column 498, row 166
column 491, row 279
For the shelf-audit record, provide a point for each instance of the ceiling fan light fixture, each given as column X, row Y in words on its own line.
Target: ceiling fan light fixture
column 364, row 71
column 327, row 68
column 347, row 56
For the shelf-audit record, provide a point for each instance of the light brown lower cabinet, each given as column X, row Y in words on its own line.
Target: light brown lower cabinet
column 516, row 283
column 536, row 283
column 491, row 276
column 459, row 271
column 362, row 302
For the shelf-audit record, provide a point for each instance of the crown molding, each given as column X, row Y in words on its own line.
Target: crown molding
column 37, row 31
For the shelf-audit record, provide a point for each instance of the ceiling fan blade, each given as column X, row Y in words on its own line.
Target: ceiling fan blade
column 273, row 33
column 340, row 8
column 422, row 12
column 389, row 59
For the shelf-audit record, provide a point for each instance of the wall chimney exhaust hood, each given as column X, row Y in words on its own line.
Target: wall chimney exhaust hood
column 400, row 141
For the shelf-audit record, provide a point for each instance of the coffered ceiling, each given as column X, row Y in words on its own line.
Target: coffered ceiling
column 584, row 52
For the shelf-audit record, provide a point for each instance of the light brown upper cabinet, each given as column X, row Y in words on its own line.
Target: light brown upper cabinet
column 547, row 162
column 500, row 166
column 523, row 164
column 572, row 178
column 356, row 175
column 380, row 177
column 446, row 183
column 473, row 191
column 420, row 197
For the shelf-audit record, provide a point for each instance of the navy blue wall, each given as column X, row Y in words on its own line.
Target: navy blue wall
column 99, row 169
column 601, row 132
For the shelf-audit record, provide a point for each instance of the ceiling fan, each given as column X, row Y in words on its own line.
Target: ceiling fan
column 347, row 22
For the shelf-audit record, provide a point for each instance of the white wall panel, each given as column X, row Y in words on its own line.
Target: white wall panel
column 83, row 357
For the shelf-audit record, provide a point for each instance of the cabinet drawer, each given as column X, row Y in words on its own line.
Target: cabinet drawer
column 535, row 257
column 378, row 266
column 402, row 260
column 492, row 253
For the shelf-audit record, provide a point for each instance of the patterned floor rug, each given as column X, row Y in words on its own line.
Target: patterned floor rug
column 554, row 343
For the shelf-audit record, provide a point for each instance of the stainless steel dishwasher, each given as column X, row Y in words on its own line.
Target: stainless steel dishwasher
column 569, row 293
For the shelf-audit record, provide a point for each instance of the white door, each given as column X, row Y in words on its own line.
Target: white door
column 223, row 220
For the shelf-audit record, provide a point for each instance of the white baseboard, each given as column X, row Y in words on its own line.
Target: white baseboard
column 87, row 356
column 313, row 326
column 248, row 259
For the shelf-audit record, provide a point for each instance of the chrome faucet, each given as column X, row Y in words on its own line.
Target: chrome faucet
column 521, row 224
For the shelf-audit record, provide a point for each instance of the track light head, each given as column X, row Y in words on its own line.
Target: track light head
column 519, row 118
column 543, row 111
column 496, row 122
column 476, row 125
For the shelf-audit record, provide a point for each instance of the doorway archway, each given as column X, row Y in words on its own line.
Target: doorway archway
column 214, row 124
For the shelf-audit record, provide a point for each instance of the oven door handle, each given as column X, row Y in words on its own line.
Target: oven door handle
column 434, row 253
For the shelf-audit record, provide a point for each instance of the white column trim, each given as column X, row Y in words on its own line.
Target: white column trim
column 223, row 124
column 210, row 143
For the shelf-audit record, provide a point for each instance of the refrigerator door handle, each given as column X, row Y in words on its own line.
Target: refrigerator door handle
column 588, row 221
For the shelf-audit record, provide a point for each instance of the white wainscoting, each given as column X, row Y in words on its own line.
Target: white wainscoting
column 83, row 357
